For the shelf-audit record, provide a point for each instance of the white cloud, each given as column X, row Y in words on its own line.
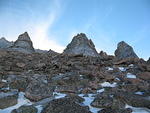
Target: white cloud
column 36, row 24
column 41, row 34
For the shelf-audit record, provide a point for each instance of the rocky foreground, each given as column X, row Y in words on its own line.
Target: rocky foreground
column 79, row 80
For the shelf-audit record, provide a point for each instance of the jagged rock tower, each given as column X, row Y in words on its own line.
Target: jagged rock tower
column 124, row 51
column 80, row 44
column 5, row 43
column 23, row 43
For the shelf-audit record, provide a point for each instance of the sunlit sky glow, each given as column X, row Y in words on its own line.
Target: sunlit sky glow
column 51, row 24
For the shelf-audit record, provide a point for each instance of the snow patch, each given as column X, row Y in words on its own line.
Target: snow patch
column 122, row 68
column 88, row 101
column 59, row 95
column 139, row 93
column 117, row 79
column 39, row 107
column 4, row 80
column 107, row 84
column 138, row 110
column 131, row 65
column 100, row 90
column 109, row 68
column 129, row 75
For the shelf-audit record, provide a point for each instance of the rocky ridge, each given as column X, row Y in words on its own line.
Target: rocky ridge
column 5, row 43
column 23, row 43
column 43, row 82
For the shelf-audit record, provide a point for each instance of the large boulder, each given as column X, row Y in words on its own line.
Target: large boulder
column 134, row 100
column 124, row 51
column 109, row 110
column 107, row 100
column 17, row 82
column 8, row 99
column 80, row 44
column 144, row 75
column 23, row 44
column 5, row 43
column 38, row 88
column 25, row 109
column 65, row 105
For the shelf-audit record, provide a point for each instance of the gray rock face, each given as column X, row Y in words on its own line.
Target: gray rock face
column 8, row 99
column 134, row 100
column 38, row 88
column 23, row 43
column 4, row 43
column 124, row 51
column 65, row 105
column 25, row 109
column 80, row 44
column 40, row 51
column 52, row 53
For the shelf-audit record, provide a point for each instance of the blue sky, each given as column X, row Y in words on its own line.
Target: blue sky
column 51, row 24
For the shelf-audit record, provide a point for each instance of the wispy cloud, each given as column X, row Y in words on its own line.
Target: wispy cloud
column 36, row 20
column 41, row 33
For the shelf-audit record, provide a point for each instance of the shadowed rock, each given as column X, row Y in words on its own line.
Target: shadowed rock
column 148, row 61
column 124, row 51
column 80, row 44
column 52, row 53
column 8, row 99
column 65, row 105
column 38, row 88
column 25, row 109
column 5, row 43
column 40, row 51
column 23, row 43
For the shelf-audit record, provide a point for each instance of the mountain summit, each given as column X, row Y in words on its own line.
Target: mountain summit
column 23, row 43
column 124, row 51
column 80, row 44
column 5, row 43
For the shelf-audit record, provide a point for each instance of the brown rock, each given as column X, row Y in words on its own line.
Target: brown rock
column 65, row 105
column 8, row 99
column 21, row 65
column 144, row 75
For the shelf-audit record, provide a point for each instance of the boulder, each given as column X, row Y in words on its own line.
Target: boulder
column 75, row 98
column 144, row 75
column 25, row 109
column 109, row 110
column 52, row 53
column 38, row 88
column 41, row 51
column 65, row 105
column 5, row 43
column 19, row 82
column 107, row 100
column 8, row 99
column 69, row 82
column 80, row 44
column 134, row 100
column 23, row 44
column 124, row 51
column 104, row 56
